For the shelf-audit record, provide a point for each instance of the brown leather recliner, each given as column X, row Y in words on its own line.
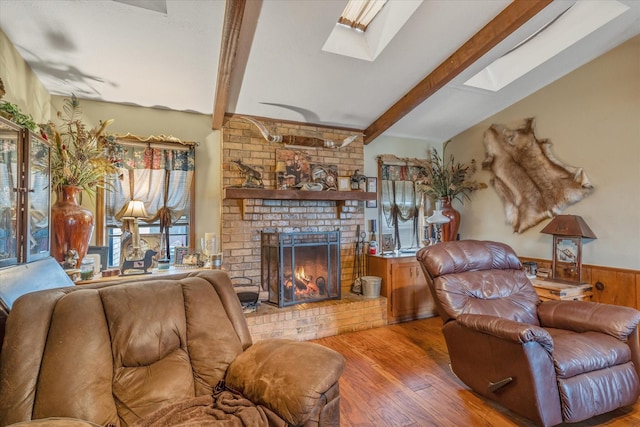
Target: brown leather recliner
column 113, row 354
column 551, row 361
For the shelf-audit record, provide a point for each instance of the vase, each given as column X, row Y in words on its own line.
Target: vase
column 72, row 226
column 450, row 229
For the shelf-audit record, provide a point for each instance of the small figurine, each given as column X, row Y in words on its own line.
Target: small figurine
column 139, row 264
column 71, row 259
column 253, row 178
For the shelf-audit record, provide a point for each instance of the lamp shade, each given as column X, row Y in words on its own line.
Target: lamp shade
column 438, row 218
column 569, row 225
column 135, row 209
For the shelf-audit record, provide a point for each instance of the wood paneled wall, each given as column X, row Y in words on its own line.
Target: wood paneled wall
column 610, row 285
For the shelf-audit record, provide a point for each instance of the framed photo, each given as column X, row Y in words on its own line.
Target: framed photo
column 147, row 241
column 179, row 253
column 186, row 257
column 293, row 167
column 372, row 187
column 566, row 258
column 344, row 183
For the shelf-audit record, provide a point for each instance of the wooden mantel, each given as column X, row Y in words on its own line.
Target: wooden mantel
column 259, row 193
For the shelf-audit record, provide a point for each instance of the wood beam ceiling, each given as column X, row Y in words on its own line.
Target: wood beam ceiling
column 234, row 12
column 509, row 20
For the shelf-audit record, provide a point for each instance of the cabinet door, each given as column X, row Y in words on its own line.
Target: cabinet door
column 37, row 199
column 425, row 305
column 403, row 298
column 9, row 183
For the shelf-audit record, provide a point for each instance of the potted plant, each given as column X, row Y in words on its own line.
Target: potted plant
column 78, row 163
column 12, row 112
column 446, row 182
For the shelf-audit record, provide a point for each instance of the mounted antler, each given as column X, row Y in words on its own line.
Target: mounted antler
column 303, row 141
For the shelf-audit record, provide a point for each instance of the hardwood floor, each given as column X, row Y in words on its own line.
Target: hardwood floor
column 399, row 375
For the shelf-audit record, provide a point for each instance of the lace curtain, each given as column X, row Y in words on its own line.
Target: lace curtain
column 401, row 202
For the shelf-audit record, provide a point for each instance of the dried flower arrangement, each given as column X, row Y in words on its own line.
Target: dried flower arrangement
column 77, row 155
column 450, row 179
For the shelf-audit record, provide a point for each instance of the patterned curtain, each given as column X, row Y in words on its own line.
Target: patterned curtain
column 159, row 177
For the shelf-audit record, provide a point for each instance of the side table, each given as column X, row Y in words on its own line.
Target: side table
column 549, row 290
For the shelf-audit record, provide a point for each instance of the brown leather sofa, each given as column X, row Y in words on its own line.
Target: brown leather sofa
column 551, row 361
column 114, row 354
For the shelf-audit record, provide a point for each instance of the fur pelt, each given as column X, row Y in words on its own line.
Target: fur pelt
column 531, row 182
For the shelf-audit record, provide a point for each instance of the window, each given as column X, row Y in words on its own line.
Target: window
column 161, row 175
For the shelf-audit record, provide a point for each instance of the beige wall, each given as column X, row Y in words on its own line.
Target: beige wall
column 185, row 126
column 21, row 84
column 592, row 117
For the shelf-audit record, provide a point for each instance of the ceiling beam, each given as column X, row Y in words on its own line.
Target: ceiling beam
column 234, row 11
column 509, row 20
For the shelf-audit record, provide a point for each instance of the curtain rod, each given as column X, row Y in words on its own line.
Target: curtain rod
column 164, row 141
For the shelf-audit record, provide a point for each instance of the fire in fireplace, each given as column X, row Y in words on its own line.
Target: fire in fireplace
column 301, row 266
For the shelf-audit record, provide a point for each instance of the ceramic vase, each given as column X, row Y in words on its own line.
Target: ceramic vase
column 72, row 225
column 450, row 229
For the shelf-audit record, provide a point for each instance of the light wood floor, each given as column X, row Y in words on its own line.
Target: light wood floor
column 398, row 375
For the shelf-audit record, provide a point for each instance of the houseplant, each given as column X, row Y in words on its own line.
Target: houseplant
column 446, row 182
column 78, row 164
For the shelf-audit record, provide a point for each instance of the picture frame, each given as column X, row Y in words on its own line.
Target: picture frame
column 185, row 257
column 293, row 167
column 179, row 253
column 103, row 252
column 344, row 183
column 566, row 262
column 147, row 241
column 372, row 187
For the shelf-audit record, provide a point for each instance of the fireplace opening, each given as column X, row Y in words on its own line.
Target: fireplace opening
column 301, row 267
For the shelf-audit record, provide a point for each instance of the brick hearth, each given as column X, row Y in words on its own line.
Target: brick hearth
column 308, row 321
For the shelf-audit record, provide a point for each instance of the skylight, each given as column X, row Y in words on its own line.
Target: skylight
column 367, row 45
column 358, row 14
column 582, row 19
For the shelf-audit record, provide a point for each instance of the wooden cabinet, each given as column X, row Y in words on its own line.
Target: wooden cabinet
column 404, row 285
column 24, row 195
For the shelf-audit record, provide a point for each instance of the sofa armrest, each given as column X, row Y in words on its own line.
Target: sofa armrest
column 583, row 316
column 288, row 377
column 507, row 329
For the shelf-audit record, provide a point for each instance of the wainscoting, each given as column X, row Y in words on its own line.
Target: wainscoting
column 610, row 285
column 309, row 321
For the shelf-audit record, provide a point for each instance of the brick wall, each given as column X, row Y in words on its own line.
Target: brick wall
column 241, row 227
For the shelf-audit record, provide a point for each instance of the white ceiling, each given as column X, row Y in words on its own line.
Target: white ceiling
column 111, row 51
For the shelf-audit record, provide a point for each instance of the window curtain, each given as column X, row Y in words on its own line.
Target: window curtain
column 158, row 176
column 401, row 202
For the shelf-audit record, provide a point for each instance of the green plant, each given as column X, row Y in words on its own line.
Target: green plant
column 450, row 179
column 12, row 112
column 77, row 154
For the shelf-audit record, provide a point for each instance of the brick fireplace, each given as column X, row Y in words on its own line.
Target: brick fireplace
column 244, row 220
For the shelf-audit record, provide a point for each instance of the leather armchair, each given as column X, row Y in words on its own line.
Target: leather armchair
column 551, row 361
column 114, row 354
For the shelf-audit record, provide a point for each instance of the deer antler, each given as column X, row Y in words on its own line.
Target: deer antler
column 263, row 130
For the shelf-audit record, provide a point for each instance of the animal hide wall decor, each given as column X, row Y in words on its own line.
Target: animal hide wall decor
column 531, row 182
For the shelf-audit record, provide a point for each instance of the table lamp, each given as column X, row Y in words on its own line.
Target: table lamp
column 568, row 232
column 438, row 218
column 135, row 209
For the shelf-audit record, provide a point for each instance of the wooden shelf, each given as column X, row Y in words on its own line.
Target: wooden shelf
column 260, row 193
